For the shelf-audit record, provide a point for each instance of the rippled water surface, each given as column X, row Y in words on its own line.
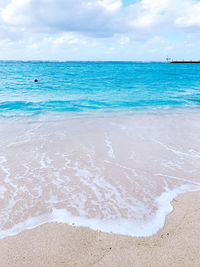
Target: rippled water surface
column 104, row 145
column 92, row 87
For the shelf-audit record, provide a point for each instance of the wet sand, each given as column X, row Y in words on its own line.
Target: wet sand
column 121, row 169
column 177, row 244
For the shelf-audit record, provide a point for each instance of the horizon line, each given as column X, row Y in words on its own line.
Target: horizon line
column 65, row 61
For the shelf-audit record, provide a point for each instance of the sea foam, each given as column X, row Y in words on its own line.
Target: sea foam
column 112, row 173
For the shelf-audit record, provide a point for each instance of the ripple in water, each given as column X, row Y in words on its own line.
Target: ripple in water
column 112, row 173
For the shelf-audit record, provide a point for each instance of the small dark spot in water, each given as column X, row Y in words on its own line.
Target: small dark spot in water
column 35, row 80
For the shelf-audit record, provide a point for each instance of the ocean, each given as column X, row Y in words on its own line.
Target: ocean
column 106, row 145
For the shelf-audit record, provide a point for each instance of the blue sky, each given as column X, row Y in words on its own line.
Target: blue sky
column 99, row 29
column 128, row 2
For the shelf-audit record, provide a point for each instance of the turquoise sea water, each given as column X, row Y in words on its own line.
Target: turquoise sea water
column 106, row 145
column 87, row 87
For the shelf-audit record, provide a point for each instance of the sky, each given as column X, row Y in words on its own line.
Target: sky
column 133, row 30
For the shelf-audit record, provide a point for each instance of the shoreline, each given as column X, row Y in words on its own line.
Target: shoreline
column 54, row 244
column 106, row 113
column 124, row 227
column 135, row 163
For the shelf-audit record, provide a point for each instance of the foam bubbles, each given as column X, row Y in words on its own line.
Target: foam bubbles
column 114, row 174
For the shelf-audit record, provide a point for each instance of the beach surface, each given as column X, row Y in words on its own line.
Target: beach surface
column 177, row 244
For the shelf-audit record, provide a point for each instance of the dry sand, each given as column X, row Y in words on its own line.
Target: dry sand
column 177, row 244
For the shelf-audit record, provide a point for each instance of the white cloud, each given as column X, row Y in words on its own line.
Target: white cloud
column 96, row 23
column 190, row 16
column 124, row 40
column 100, row 17
column 61, row 15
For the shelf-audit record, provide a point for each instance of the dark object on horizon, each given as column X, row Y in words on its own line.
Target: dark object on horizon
column 168, row 59
column 185, row 61
column 35, row 80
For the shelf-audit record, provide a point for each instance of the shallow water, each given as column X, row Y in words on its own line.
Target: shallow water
column 113, row 169
column 88, row 87
column 116, row 169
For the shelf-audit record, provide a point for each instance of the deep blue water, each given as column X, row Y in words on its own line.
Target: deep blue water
column 86, row 87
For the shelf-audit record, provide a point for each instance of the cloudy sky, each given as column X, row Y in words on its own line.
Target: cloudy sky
column 99, row 29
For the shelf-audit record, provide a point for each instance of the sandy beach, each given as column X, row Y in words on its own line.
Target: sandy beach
column 177, row 244
column 99, row 133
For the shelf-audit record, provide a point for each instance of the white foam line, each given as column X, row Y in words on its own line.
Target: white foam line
column 178, row 178
column 110, row 148
column 175, row 151
column 123, row 167
column 3, row 159
column 120, row 226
